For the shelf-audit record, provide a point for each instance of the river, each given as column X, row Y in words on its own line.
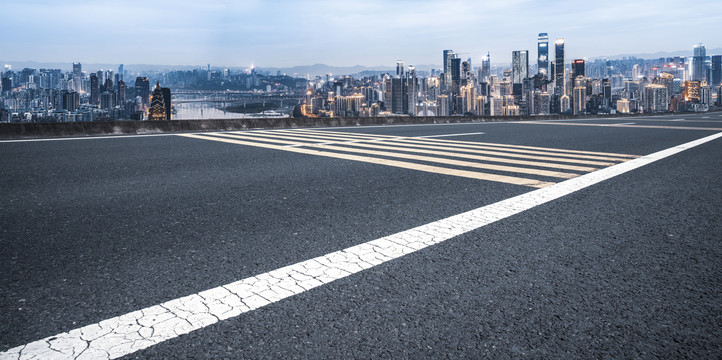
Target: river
column 215, row 110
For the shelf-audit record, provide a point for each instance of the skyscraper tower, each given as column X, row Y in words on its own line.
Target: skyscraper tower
column 578, row 68
column 699, row 68
column 157, row 110
column 94, row 89
column 413, row 90
column 716, row 73
column 519, row 69
column 142, row 88
column 77, row 76
column 455, row 72
column 543, row 54
column 400, row 68
column 559, row 67
column 448, row 56
column 485, row 67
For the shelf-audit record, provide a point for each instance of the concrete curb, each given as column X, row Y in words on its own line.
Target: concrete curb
column 97, row 128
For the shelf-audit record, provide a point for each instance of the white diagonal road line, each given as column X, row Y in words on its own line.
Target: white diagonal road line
column 125, row 334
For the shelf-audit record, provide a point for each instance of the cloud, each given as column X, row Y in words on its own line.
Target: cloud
column 373, row 32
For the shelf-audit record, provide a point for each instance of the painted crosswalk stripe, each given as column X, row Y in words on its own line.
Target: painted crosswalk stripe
column 423, row 151
column 471, row 145
column 240, row 140
column 583, row 152
column 125, row 334
column 403, row 143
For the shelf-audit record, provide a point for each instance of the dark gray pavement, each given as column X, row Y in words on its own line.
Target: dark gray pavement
column 628, row 268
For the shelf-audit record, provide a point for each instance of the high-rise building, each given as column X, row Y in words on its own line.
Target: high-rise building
column 485, row 68
column 519, row 66
column 691, row 91
column 121, row 92
column 77, row 76
column 559, row 67
column 578, row 68
column 400, row 68
column 455, row 72
column 159, row 104
column 443, row 105
column 543, row 54
column 399, row 96
column 656, row 99
column 448, row 56
column 468, row 94
column 142, row 88
column 107, row 100
column 7, row 83
column 564, row 104
column 580, row 100
column 94, row 89
column 716, row 71
column 120, row 71
column 70, row 100
column 412, row 89
column 699, row 68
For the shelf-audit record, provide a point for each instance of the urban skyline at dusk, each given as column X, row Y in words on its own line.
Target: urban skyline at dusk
column 372, row 33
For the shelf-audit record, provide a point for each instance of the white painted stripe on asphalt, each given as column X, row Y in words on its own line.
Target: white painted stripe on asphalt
column 445, row 135
column 128, row 333
column 119, row 136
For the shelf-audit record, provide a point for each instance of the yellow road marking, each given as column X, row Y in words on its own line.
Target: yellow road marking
column 394, row 142
column 302, row 137
column 432, row 152
column 521, row 170
column 471, row 145
column 497, row 153
column 500, row 145
column 395, row 163
column 536, row 152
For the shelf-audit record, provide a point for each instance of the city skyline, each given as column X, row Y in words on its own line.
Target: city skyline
column 374, row 33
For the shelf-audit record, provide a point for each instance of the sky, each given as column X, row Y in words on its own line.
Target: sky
column 284, row 33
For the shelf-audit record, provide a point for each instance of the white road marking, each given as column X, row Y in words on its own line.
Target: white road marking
column 445, row 135
column 629, row 123
column 119, row 136
column 128, row 333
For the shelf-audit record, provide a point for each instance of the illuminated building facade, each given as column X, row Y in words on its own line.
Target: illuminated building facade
column 543, row 54
column 559, row 67
column 691, row 91
column 578, row 68
column 580, row 100
column 623, row 106
column 160, row 104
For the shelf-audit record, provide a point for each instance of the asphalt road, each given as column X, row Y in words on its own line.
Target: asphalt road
column 628, row 268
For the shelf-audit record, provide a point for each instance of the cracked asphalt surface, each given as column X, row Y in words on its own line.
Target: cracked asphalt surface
column 93, row 229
